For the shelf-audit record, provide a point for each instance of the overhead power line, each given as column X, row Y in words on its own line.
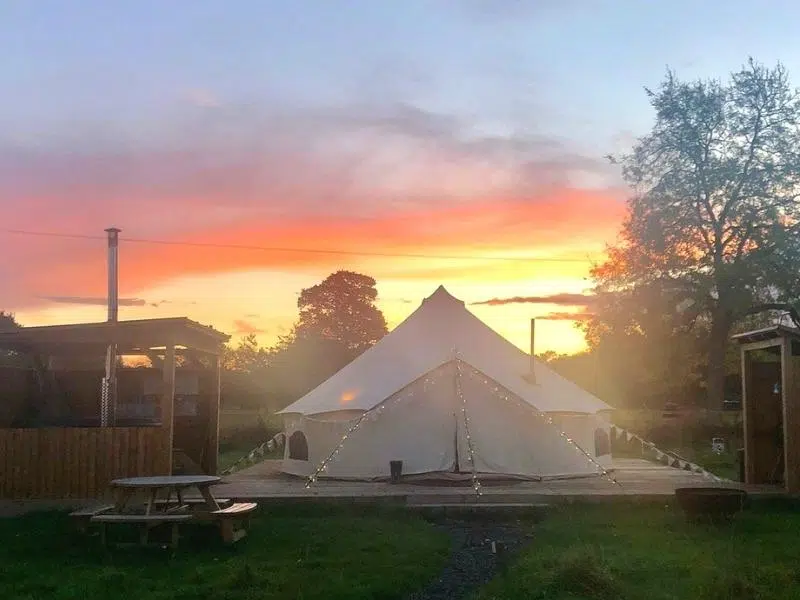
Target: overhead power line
column 295, row 249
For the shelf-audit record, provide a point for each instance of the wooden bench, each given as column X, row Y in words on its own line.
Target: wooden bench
column 231, row 518
column 82, row 516
column 145, row 522
column 191, row 502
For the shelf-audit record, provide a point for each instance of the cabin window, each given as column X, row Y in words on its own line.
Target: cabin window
column 298, row 446
column 602, row 443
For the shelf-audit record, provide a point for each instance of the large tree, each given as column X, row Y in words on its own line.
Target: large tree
column 341, row 308
column 712, row 224
column 337, row 321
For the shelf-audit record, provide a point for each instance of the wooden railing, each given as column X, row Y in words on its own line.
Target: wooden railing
column 78, row 462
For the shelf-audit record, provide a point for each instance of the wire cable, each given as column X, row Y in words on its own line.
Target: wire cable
column 296, row 249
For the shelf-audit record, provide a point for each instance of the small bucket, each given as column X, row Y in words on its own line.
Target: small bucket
column 396, row 470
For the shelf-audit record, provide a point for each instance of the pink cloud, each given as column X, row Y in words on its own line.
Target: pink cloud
column 361, row 180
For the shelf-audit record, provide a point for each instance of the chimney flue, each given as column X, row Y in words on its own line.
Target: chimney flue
column 113, row 274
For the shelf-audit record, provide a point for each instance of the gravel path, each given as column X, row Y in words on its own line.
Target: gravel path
column 474, row 559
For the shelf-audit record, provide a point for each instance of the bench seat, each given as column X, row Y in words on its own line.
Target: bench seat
column 154, row 518
column 231, row 516
column 193, row 502
column 145, row 523
column 82, row 515
column 237, row 508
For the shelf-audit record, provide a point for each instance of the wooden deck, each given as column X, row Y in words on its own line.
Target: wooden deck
column 637, row 478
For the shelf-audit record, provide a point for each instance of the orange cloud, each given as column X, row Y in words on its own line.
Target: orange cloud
column 243, row 327
column 567, row 225
column 380, row 180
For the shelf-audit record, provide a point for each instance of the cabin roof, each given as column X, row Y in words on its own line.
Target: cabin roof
column 142, row 334
column 767, row 333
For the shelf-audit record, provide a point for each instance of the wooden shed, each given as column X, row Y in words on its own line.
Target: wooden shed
column 53, row 443
column 770, row 361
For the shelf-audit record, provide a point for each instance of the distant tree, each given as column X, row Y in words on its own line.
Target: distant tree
column 246, row 357
column 712, row 229
column 7, row 357
column 7, row 321
column 341, row 308
column 338, row 320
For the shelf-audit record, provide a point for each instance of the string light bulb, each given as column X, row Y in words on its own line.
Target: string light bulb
column 476, row 484
column 491, row 384
column 372, row 415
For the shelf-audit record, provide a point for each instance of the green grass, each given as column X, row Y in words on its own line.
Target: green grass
column 301, row 552
column 629, row 552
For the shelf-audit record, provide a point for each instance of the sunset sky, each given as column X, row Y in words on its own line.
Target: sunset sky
column 461, row 132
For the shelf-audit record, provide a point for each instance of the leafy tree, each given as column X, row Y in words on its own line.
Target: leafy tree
column 8, row 357
column 711, row 231
column 7, row 321
column 341, row 308
column 338, row 320
column 246, row 357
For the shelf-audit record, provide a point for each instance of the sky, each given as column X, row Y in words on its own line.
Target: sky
column 454, row 142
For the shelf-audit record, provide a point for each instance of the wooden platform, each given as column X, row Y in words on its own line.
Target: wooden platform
column 637, row 478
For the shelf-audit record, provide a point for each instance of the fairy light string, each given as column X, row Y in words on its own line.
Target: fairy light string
column 476, row 484
column 372, row 414
column 498, row 391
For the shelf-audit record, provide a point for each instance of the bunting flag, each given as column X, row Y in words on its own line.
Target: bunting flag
column 664, row 457
column 259, row 452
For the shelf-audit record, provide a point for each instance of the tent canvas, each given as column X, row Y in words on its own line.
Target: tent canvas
column 445, row 393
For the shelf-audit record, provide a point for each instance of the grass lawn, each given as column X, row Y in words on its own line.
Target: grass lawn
column 629, row 552
column 299, row 552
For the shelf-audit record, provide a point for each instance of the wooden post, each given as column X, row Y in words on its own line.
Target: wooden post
column 168, row 400
column 748, row 410
column 212, row 443
column 791, row 419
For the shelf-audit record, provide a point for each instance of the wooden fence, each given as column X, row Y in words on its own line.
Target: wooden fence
column 55, row 463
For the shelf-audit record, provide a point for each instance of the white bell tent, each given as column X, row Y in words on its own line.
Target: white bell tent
column 445, row 394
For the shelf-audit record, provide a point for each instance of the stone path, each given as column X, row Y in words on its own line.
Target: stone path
column 479, row 550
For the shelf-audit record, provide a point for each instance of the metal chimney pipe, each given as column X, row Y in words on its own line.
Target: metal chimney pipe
column 532, row 374
column 113, row 274
column 108, row 390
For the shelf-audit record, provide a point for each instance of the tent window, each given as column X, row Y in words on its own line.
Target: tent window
column 602, row 443
column 298, row 446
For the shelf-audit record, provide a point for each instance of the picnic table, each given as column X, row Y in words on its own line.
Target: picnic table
column 152, row 486
column 173, row 508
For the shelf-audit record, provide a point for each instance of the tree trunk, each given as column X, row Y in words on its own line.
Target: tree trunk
column 718, row 341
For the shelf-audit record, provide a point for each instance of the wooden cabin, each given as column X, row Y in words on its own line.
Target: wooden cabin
column 163, row 418
column 771, row 406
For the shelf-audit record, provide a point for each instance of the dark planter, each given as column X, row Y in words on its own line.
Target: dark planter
column 711, row 504
column 396, row 469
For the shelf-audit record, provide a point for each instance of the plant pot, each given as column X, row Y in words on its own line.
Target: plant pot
column 396, row 470
column 711, row 504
